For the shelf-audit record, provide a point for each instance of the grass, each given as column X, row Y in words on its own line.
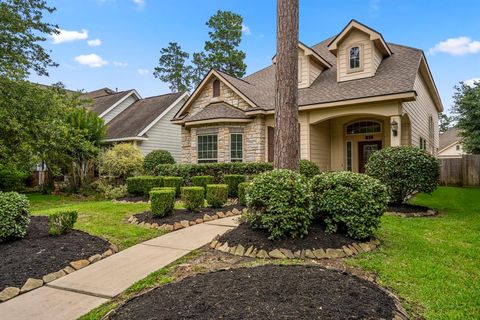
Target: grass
column 433, row 263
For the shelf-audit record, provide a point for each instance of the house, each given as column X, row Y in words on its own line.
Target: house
column 357, row 94
column 143, row 122
column 450, row 145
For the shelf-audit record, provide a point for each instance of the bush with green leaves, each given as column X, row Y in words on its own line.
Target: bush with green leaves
column 242, row 192
column 12, row 178
column 120, row 162
column 279, row 202
column 155, row 158
column 232, row 180
column 193, row 198
column 14, row 215
column 141, row 185
column 108, row 190
column 404, row 171
column 61, row 222
column 162, row 202
column 217, row 195
column 173, row 182
column 309, row 168
column 202, row 181
column 349, row 202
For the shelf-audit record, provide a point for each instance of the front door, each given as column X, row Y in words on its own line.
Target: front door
column 365, row 150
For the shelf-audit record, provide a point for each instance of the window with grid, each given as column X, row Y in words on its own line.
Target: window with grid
column 236, row 147
column 349, row 156
column 354, row 57
column 364, row 127
column 207, row 148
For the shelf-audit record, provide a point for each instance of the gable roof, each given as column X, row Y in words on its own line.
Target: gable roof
column 448, row 138
column 104, row 99
column 217, row 111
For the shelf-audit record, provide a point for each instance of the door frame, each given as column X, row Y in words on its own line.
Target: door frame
column 361, row 168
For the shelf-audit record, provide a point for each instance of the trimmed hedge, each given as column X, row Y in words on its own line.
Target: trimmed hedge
column 173, row 182
column 14, row 215
column 155, row 158
column 404, row 171
column 242, row 192
column 202, row 181
column 232, row 180
column 193, row 198
column 141, row 185
column 217, row 170
column 349, row 202
column 61, row 222
column 162, row 202
column 279, row 201
column 217, row 195
column 309, row 169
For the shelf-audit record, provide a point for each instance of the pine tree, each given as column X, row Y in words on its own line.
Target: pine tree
column 173, row 68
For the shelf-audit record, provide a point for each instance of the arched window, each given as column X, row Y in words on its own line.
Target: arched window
column 216, row 88
column 354, row 58
column 364, row 127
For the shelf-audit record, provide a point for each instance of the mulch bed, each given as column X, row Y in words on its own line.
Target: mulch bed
column 411, row 210
column 266, row 292
column 39, row 254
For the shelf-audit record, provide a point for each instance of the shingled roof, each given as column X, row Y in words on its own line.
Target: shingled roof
column 218, row 110
column 448, row 137
column 104, row 99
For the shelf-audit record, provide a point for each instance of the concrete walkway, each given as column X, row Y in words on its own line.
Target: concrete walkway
column 79, row 292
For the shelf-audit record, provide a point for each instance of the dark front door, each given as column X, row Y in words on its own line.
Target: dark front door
column 365, row 150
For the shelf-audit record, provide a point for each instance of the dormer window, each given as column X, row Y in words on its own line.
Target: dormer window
column 216, row 88
column 355, row 58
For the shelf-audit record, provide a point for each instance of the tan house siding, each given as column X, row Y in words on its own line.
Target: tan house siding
column 353, row 39
column 377, row 59
column 315, row 71
column 320, row 145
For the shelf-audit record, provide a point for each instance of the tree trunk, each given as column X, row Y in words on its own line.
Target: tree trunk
column 287, row 133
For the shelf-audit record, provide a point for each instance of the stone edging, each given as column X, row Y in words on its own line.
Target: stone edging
column 428, row 213
column 185, row 223
column 31, row 283
column 281, row 253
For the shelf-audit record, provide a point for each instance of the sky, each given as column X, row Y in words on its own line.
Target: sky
column 116, row 43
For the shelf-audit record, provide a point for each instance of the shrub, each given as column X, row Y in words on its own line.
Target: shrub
column 279, row 201
column 405, row 171
column 351, row 202
column 12, row 179
column 232, row 180
column 155, row 158
column 108, row 190
column 122, row 161
column 193, row 197
column 14, row 215
column 202, row 181
column 173, row 182
column 217, row 195
column 242, row 192
column 162, row 188
column 61, row 222
column 142, row 185
column 162, row 202
column 309, row 169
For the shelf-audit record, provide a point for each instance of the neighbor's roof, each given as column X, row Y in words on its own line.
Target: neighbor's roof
column 218, row 110
column 448, row 137
column 104, row 99
column 133, row 120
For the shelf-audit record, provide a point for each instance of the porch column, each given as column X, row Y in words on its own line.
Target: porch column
column 395, row 131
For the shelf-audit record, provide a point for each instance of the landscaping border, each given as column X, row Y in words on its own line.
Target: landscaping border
column 426, row 214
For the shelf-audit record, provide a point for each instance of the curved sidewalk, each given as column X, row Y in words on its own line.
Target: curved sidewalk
column 79, row 292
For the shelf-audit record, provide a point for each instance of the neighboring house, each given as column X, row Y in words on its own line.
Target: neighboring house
column 357, row 94
column 450, row 144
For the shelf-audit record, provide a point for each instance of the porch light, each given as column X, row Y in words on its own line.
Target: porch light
column 394, row 126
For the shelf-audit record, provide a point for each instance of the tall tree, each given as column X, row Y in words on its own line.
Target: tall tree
column 287, row 133
column 200, row 68
column 173, row 68
column 22, row 31
column 444, row 122
column 466, row 109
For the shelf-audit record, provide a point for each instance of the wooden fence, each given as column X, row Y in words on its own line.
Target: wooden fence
column 463, row 171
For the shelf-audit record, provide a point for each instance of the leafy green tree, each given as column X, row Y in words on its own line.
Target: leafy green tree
column 444, row 122
column 466, row 110
column 173, row 68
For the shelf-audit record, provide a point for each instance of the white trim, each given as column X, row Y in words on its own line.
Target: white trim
column 450, row 145
column 162, row 114
column 228, row 120
column 118, row 102
column 126, row 139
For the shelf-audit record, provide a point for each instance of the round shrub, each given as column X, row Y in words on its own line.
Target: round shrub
column 162, row 202
column 156, row 157
column 173, row 182
column 349, row 202
column 122, row 161
column 217, row 195
column 193, row 198
column 309, row 168
column 279, row 201
column 202, row 181
column 14, row 215
column 404, row 171
column 232, row 180
column 242, row 192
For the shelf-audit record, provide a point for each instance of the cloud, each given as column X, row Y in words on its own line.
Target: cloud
column 120, row 64
column 139, row 3
column 142, row 72
column 246, row 30
column 457, row 46
column 69, row 36
column 94, row 42
column 92, row 60
column 471, row 82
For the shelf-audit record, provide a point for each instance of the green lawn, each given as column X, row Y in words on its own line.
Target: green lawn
column 433, row 263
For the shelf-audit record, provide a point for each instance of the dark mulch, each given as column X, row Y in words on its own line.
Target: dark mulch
column 39, row 253
column 133, row 199
column 316, row 238
column 266, row 292
column 411, row 210
column 183, row 214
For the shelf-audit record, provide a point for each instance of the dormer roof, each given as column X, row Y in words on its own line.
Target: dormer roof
column 310, row 52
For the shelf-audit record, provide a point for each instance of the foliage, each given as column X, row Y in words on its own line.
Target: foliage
column 172, row 68
column 12, row 178
column 61, row 222
column 109, row 190
column 155, row 158
column 162, row 202
column 279, row 201
column 404, row 171
column 351, row 202
column 242, row 192
column 142, row 185
column 308, row 168
column 122, row 161
column 232, row 180
column 444, row 122
column 466, row 110
column 217, row 195
column 173, row 182
column 193, row 198
column 202, row 181
column 14, row 215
